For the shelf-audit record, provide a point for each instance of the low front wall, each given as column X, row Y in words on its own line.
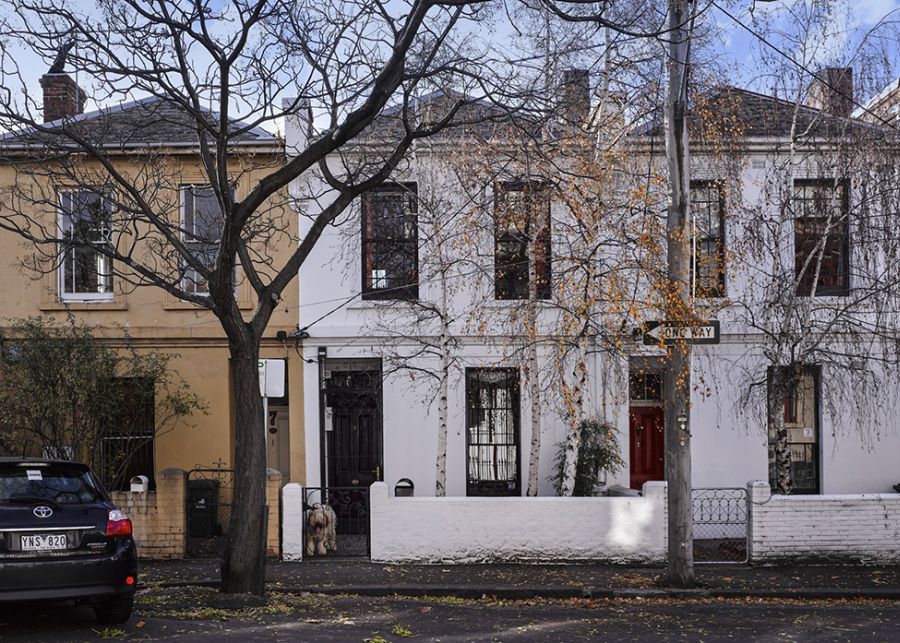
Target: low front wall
column 851, row 528
column 157, row 518
column 465, row 530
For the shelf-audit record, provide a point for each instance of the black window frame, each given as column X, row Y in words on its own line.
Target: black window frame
column 804, row 284
column 409, row 290
column 511, row 277
column 476, row 486
column 699, row 241
column 813, row 448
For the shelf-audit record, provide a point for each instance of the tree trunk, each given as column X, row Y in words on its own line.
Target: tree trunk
column 440, row 485
column 784, row 483
column 678, row 307
column 244, row 559
column 534, row 389
column 570, row 469
column 573, row 439
column 534, row 386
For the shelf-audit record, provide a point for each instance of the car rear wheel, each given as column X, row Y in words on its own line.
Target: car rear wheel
column 112, row 611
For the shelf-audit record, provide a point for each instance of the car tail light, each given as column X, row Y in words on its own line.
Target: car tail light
column 118, row 524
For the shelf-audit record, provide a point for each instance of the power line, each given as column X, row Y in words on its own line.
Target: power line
column 800, row 65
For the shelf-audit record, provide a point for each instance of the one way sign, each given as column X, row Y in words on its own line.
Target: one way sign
column 671, row 332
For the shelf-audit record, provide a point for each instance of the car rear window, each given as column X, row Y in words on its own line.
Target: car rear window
column 60, row 484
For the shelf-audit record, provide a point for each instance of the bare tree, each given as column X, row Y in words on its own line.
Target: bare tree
column 219, row 73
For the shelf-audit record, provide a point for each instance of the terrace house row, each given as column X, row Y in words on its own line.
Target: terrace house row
column 459, row 318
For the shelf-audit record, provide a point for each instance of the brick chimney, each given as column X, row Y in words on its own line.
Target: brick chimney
column 62, row 95
column 575, row 92
column 834, row 92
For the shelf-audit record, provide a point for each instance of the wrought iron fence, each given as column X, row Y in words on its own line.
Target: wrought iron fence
column 210, row 493
column 351, row 537
column 720, row 525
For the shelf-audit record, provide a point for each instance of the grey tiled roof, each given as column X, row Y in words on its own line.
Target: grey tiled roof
column 147, row 122
column 752, row 115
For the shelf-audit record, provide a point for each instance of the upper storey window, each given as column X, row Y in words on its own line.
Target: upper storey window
column 708, row 252
column 522, row 217
column 821, row 237
column 390, row 242
column 85, row 272
column 202, row 230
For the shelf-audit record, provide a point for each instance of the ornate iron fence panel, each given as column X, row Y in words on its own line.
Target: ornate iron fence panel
column 720, row 525
column 210, row 493
column 349, row 535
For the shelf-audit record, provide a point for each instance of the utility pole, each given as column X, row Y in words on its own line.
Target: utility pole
column 678, row 303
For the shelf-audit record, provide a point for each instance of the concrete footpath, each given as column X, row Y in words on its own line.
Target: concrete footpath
column 520, row 581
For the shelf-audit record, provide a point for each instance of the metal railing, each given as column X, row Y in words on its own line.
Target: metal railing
column 720, row 525
column 210, row 493
column 352, row 536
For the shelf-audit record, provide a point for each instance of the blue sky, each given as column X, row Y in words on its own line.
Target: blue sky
column 847, row 33
column 741, row 54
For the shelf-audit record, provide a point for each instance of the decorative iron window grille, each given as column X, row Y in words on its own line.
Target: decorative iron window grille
column 492, row 432
column 127, row 446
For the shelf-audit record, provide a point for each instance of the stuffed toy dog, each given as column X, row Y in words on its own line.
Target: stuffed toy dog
column 320, row 530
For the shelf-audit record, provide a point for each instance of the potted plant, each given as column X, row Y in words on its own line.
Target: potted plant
column 598, row 456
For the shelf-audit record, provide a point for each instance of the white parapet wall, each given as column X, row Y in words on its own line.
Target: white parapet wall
column 292, row 517
column 851, row 528
column 465, row 530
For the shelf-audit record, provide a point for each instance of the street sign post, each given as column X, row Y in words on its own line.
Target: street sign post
column 671, row 332
column 271, row 384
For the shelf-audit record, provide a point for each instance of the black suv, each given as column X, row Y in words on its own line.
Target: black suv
column 62, row 538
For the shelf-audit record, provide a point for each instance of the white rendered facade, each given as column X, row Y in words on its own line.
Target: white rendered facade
column 729, row 426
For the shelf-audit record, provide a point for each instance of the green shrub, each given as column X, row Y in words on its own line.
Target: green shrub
column 599, row 452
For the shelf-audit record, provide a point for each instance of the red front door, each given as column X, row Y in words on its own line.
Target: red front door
column 647, row 445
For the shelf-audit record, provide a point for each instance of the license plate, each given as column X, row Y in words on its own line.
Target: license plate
column 43, row 542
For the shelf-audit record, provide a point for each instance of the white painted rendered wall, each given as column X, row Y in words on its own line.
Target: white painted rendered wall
column 729, row 444
column 409, row 408
column 292, row 520
column 466, row 530
column 850, row 527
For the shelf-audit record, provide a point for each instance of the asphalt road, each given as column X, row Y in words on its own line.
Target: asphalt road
column 168, row 617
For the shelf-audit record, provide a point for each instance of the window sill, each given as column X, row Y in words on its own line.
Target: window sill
column 378, row 304
column 84, row 304
column 178, row 304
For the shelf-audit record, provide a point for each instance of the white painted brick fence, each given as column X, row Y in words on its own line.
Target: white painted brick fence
column 464, row 530
column 852, row 528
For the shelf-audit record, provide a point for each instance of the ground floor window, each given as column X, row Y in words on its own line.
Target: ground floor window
column 801, row 423
column 492, row 432
column 127, row 444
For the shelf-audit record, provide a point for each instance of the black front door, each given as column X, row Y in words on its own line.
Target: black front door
column 353, row 451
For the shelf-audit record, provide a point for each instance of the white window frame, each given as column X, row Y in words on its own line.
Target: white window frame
column 187, row 284
column 106, row 296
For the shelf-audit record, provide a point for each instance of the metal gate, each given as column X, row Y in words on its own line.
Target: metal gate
column 720, row 525
column 351, row 531
column 210, row 493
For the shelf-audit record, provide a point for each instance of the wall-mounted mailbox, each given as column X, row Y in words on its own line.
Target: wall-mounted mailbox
column 404, row 488
column 140, row 484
